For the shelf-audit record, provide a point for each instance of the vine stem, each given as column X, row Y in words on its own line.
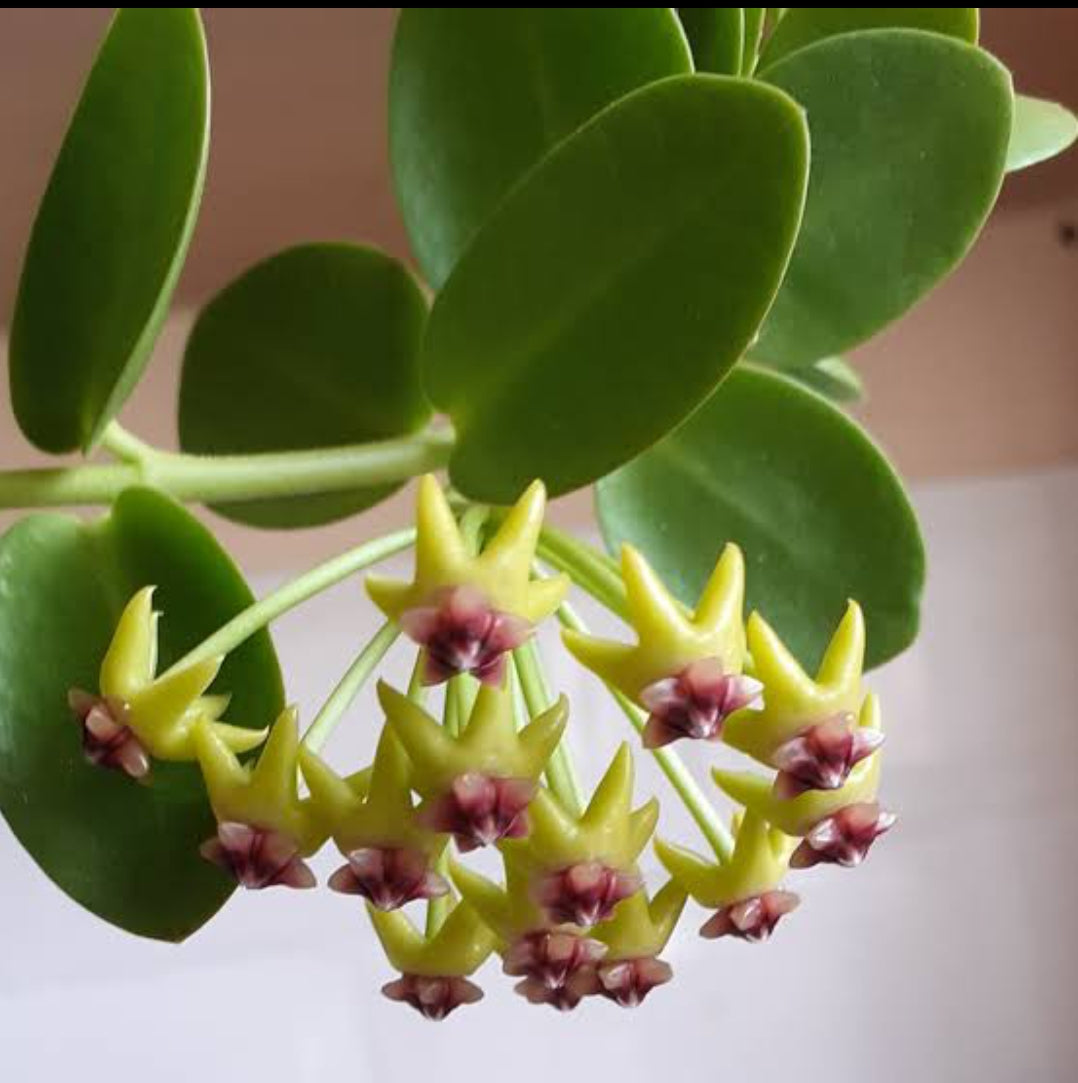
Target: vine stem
column 587, row 567
column 253, row 619
column 692, row 796
column 226, row 478
column 349, row 686
column 560, row 772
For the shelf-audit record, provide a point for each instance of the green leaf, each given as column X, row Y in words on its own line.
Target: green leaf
column 477, row 96
column 1041, row 130
column 909, row 138
column 125, row 851
column 833, row 378
column 112, row 230
column 803, row 26
column 754, row 32
column 617, row 284
column 816, row 508
column 315, row 347
column 717, row 37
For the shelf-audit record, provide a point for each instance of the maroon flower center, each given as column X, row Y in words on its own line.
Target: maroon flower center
column 822, row 756
column 551, row 957
column 479, row 810
column 107, row 739
column 564, row 998
column 627, row 982
column 585, row 893
column 433, row 997
column 695, row 703
column 257, row 858
column 388, row 876
column 845, row 838
column 753, row 919
column 462, row 633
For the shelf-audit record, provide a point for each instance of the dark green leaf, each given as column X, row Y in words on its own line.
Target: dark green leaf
column 127, row 852
column 909, row 138
column 315, row 347
column 478, row 95
column 112, row 229
column 803, row 26
column 617, row 284
column 1041, row 130
column 816, row 508
column 717, row 38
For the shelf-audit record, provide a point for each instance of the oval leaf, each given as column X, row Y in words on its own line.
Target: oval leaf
column 803, row 26
column 816, row 508
column 112, row 230
column 316, row 347
column 127, row 852
column 617, row 284
column 717, row 38
column 832, row 377
column 478, row 95
column 1041, row 130
column 909, row 138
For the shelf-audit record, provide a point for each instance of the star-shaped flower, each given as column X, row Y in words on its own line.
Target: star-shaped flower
column 581, row 868
column 264, row 828
column 434, row 970
column 685, row 668
column 468, row 610
column 138, row 715
column 545, row 957
column 476, row 785
column 837, row 826
column 633, row 937
column 807, row 728
column 390, row 858
column 744, row 891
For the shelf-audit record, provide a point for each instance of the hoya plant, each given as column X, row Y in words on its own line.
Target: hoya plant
column 642, row 241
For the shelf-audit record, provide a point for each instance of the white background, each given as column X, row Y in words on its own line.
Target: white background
column 949, row 956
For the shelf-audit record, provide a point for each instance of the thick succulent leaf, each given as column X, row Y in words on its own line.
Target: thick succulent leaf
column 909, row 139
column 803, row 26
column 617, row 284
column 112, row 230
column 814, row 505
column 126, row 851
column 316, row 347
column 477, row 96
column 717, row 38
column 1041, row 130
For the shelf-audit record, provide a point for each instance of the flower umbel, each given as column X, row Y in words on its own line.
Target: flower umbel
column 467, row 610
column 836, row 826
column 744, row 891
column 264, row 828
column 685, row 668
column 137, row 715
column 390, row 858
column 435, row 969
column 477, row 785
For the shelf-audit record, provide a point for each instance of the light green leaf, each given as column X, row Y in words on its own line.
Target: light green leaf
column 617, row 284
column 315, row 347
column 1041, row 130
column 112, row 230
column 717, row 37
column 832, row 377
column 909, row 138
column 477, row 96
column 126, row 851
column 816, row 508
column 803, row 26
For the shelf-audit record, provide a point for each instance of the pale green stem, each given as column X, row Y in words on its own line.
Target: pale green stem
column 560, row 772
column 417, row 690
column 227, row 478
column 586, row 566
column 695, row 800
column 340, row 699
column 256, row 617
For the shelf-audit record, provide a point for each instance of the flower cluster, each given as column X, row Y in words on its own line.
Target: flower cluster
column 572, row 917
